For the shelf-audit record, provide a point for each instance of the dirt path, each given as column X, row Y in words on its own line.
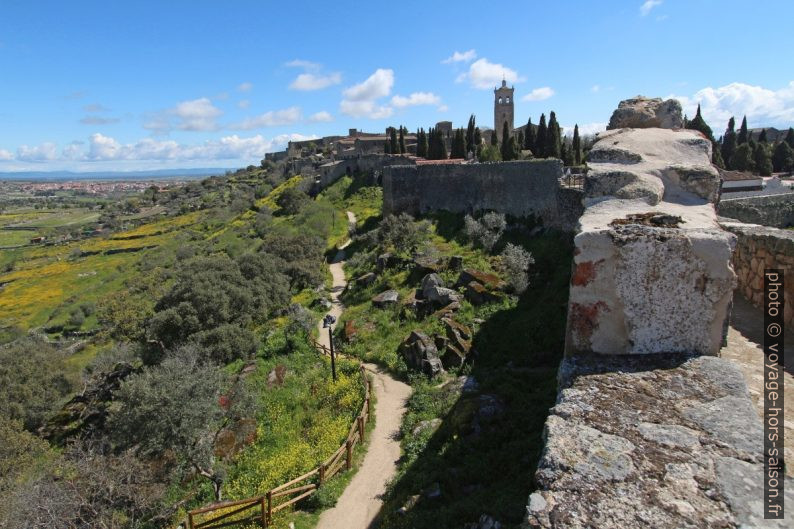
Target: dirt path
column 360, row 503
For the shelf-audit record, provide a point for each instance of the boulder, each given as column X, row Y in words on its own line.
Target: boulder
column 366, row 279
column 423, row 426
column 457, row 343
column 386, row 299
column 643, row 113
column 492, row 281
column 477, row 294
column 447, row 310
column 442, row 296
column 412, row 305
column 429, row 281
column 455, row 263
column 420, row 353
column 234, row 438
column 385, row 261
column 427, row 265
column 276, row 376
column 350, row 331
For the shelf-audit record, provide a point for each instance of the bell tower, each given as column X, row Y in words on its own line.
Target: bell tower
column 503, row 109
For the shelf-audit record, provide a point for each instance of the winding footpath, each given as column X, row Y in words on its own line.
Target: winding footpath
column 360, row 503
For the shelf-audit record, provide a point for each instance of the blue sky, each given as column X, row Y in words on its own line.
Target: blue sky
column 117, row 85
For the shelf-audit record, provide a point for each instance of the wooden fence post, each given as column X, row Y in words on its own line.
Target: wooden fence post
column 322, row 473
column 361, row 428
column 369, row 407
column 269, row 507
column 190, row 520
column 349, row 447
column 264, row 511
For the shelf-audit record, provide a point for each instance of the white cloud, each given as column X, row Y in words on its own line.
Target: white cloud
column 73, row 151
column 244, row 103
column 42, row 153
column 762, row 106
column 539, row 94
column 245, row 87
column 306, row 65
column 484, row 74
column 416, row 99
column 466, row 56
column 365, row 109
column 103, row 148
column 194, row 115
column 360, row 100
column 443, row 108
column 377, row 85
column 97, row 120
column 6, row 155
column 321, row 117
column 272, row 118
column 96, row 107
column 595, row 88
column 587, row 129
column 648, row 5
column 310, row 81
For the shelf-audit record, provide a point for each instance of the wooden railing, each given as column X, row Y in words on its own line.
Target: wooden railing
column 260, row 509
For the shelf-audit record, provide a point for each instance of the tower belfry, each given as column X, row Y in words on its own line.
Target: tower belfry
column 503, row 109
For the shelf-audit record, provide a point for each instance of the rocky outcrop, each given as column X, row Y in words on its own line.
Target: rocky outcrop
column 643, row 112
column 667, row 441
column 420, row 353
column 652, row 267
column 386, row 299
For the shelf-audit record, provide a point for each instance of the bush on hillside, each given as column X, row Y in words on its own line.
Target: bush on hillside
column 516, row 262
column 486, row 231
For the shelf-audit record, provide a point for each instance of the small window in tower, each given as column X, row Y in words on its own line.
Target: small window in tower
column 499, row 101
column 507, row 100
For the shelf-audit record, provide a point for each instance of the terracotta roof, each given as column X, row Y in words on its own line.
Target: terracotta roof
column 451, row 161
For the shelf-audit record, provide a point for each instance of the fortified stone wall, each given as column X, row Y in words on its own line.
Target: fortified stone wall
column 770, row 210
column 758, row 248
column 368, row 163
column 519, row 188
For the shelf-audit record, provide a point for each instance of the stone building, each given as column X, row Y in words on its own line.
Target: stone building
column 503, row 109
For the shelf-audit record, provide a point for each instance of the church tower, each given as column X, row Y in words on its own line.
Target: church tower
column 503, row 109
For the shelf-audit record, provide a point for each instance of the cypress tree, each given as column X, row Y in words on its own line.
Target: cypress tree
column 783, row 158
column 529, row 136
column 441, row 146
column 393, row 147
column 790, row 137
column 540, row 138
column 763, row 159
column 742, row 159
column 421, row 143
column 507, row 153
column 577, row 146
column 458, row 145
column 762, row 136
column 386, row 147
column 470, row 143
column 565, row 153
column 553, row 137
column 402, row 140
column 699, row 124
column 742, row 138
column 729, row 143
column 494, row 139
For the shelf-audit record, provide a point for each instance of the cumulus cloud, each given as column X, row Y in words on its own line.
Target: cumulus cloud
column 245, row 87
column 762, row 106
column 97, row 120
column 416, row 99
column 96, row 107
column 6, row 155
column 539, row 94
column 586, row 129
column 310, row 81
column 648, row 5
column 483, row 74
column 360, row 100
column 194, row 115
column 272, row 118
column 466, row 56
column 312, row 78
column 41, row 153
column 321, row 117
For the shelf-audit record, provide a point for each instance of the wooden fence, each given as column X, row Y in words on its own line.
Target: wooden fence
column 260, row 509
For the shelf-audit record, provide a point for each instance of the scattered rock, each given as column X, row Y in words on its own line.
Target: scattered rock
column 492, row 281
column 385, row 261
column 643, row 112
column 455, row 263
column 386, row 299
column 366, row 279
column 427, row 265
column 441, row 296
column 431, row 281
column 420, row 353
column 447, row 310
column 409, row 504
column 423, row 426
column 477, row 294
column 276, row 376
column 350, row 331
column 413, row 306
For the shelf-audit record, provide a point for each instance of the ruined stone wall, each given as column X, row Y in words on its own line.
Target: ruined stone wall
column 770, row 210
column 368, row 163
column 519, row 188
column 759, row 248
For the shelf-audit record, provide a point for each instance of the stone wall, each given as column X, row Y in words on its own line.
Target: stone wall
column 519, row 188
column 651, row 265
column 757, row 248
column 770, row 210
column 367, row 163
